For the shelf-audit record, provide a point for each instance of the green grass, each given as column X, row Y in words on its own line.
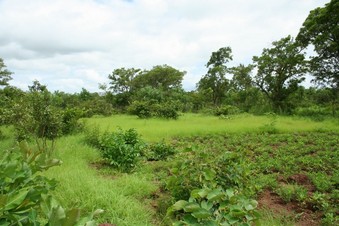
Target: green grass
column 81, row 185
column 196, row 124
column 126, row 197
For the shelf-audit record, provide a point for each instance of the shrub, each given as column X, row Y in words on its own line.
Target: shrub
column 226, row 110
column 92, row 136
column 121, row 149
column 148, row 109
column 70, row 120
column 314, row 112
column 159, row 151
column 141, row 109
column 166, row 111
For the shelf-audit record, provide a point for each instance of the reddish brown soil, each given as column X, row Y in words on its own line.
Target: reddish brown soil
column 271, row 201
column 304, row 216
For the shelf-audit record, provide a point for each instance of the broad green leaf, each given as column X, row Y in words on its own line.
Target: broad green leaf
column 204, row 192
column 190, row 220
column 249, row 207
column 210, row 223
column 224, row 204
column 209, row 174
column 57, row 216
column 201, row 213
column 206, row 205
column 215, row 195
column 3, row 201
column 230, row 192
column 190, row 207
column 16, row 199
column 179, row 205
column 72, row 217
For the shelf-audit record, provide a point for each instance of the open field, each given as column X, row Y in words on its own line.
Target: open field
column 292, row 161
column 197, row 124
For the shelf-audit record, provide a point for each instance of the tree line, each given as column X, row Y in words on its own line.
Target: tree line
column 271, row 83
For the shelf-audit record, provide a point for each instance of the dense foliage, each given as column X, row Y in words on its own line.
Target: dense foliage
column 299, row 168
column 26, row 195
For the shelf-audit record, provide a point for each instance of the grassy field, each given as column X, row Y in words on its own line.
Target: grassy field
column 128, row 199
column 196, row 124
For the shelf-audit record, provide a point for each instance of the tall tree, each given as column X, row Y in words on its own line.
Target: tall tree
column 121, row 79
column 321, row 29
column 215, row 81
column 160, row 77
column 242, row 77
column 280, row 69
column 5, row 75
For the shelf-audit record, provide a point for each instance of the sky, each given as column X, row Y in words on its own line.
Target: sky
column 73, row 44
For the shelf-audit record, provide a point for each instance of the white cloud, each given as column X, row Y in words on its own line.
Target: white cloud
column 81, row 41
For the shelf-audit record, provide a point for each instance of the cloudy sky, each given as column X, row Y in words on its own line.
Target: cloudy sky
column 73, row 44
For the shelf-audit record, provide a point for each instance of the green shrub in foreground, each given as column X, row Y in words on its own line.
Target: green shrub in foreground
column 25, row 194
column 215, row 207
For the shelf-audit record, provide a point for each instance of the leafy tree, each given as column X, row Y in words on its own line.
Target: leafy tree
column 121, row 79
column 215, row 82
column 5, row 75
column 280, row 69
column 321, row 29
column 160, row 77
column 242, row 77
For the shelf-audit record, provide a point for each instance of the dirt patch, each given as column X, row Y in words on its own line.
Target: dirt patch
column 302, row 179
column 304, row 217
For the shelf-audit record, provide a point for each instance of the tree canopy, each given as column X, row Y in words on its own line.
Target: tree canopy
column 279, row 71
column 5, row 75
column 321, row 29
column 215, row 81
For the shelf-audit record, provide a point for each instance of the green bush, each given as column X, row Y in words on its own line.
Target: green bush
column 159, row 151
column 121, row 149
column 148, row 109
column 316, row 113
column 140, row 108
column 92, row 136
column 70, row 121
column 226, row 110
column 167, row 111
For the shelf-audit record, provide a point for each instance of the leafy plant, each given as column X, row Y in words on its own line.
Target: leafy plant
column 226, row 110
column 21, row 188
column 121, row 149
column 159, row 151
column 25, row 194
column 92, row 136
column 70, row 120
column 208, row 206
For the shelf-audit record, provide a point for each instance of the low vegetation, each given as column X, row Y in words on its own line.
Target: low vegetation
column 251, row 150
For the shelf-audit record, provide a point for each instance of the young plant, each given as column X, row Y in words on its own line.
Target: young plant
column 159, row 151
column 121, row 149
column 214, row 207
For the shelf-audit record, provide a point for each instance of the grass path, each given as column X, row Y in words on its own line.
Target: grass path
column 81, row 186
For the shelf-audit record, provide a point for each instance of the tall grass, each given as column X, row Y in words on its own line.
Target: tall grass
column 80, row 185
column 195, row 124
